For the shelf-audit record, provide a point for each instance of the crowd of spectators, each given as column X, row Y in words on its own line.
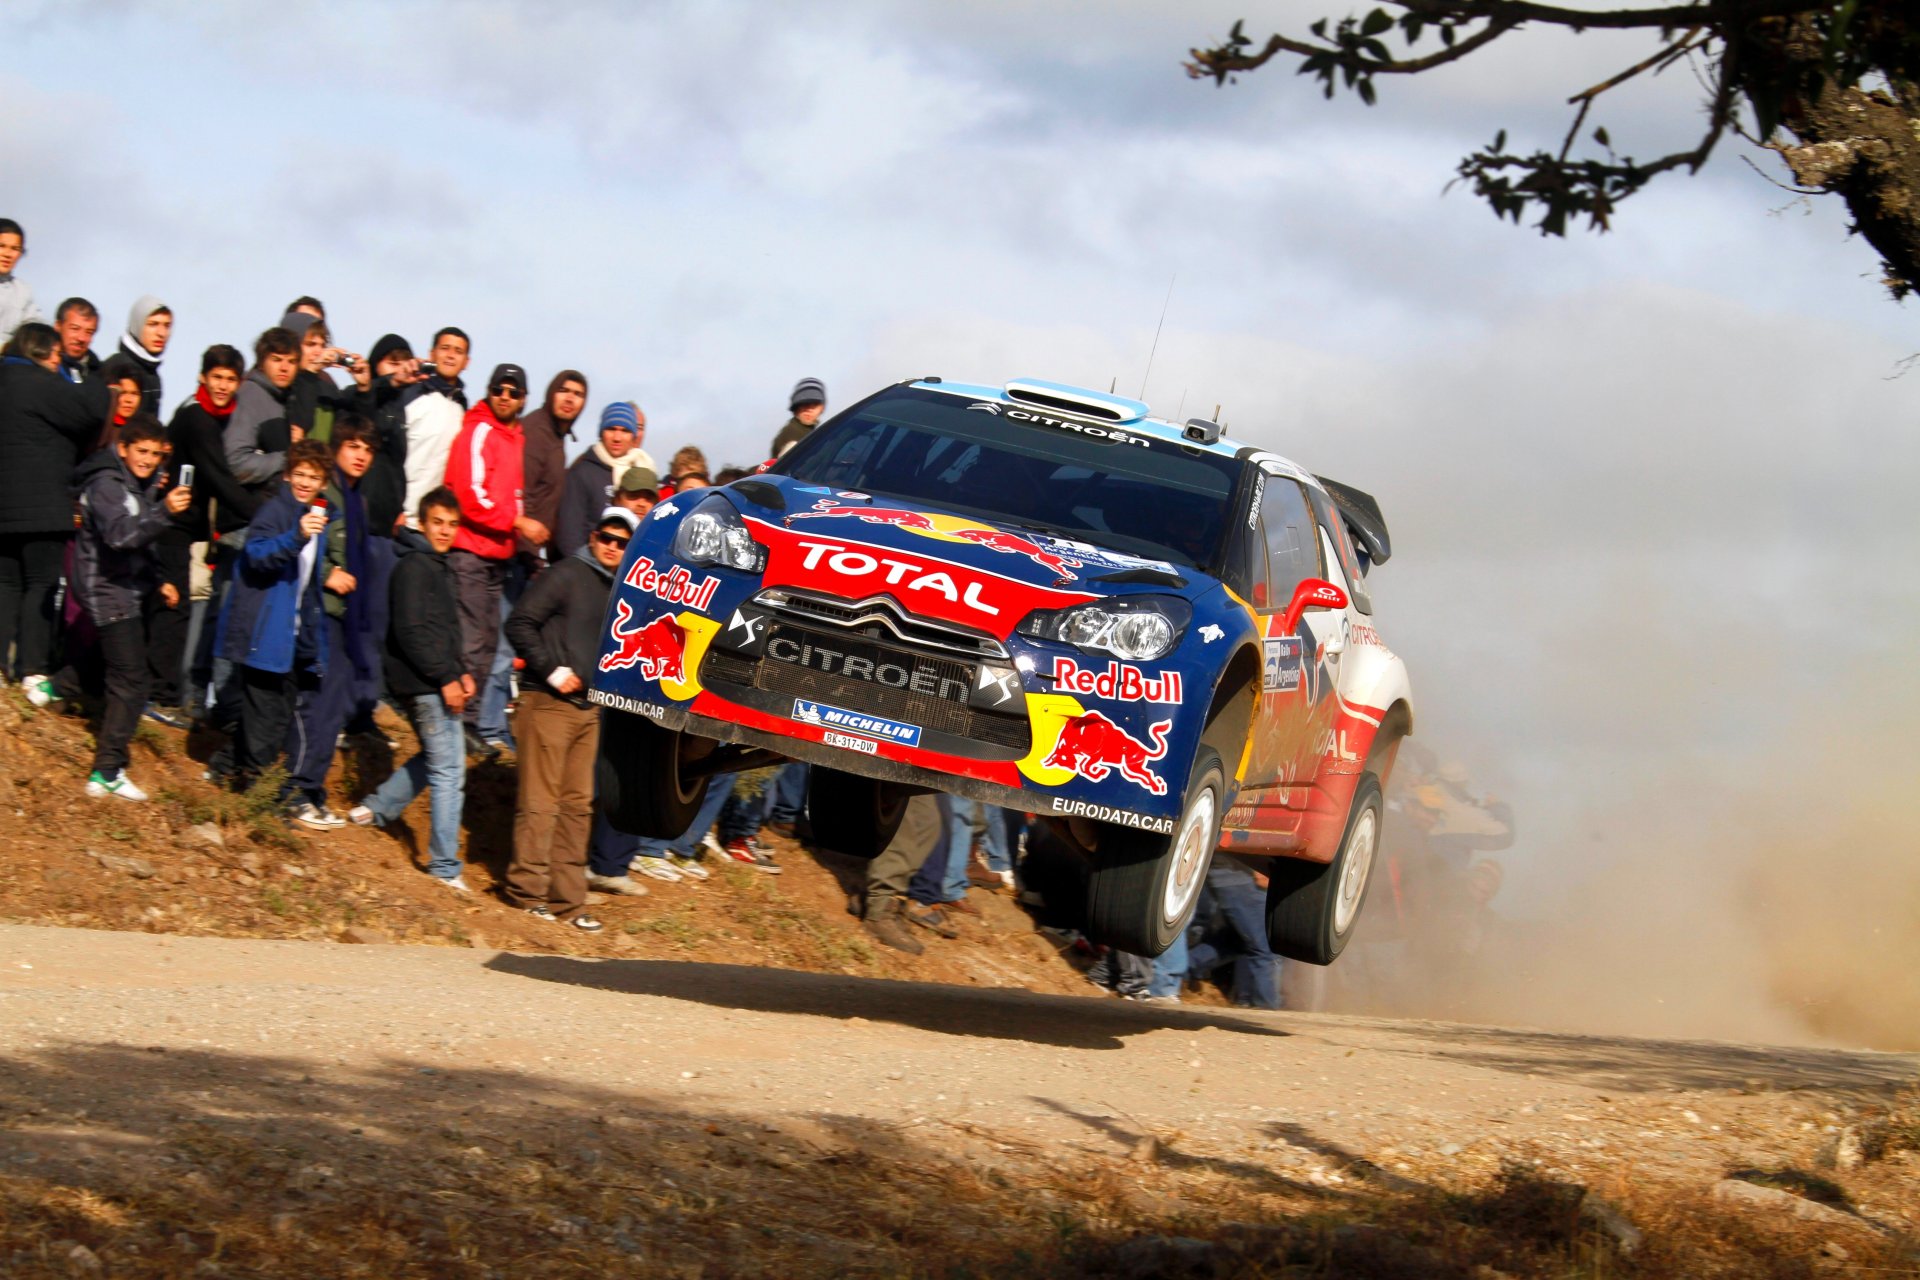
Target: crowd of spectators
column 307, row 533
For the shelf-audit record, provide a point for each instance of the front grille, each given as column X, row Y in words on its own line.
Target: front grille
column 880, row 619
column 947, row 715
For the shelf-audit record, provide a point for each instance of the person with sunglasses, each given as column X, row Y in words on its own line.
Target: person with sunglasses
column 485, row 472
column 555, row 630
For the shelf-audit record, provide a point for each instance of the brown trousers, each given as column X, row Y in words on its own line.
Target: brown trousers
column 889, row 874
column 553, row 819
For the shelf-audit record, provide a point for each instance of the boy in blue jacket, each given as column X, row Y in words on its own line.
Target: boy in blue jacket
column 274, row 625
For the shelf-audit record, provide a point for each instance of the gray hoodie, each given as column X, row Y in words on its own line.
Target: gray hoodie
column 258, row 403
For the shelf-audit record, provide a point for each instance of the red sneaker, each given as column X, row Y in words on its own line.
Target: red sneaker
column 743, row 852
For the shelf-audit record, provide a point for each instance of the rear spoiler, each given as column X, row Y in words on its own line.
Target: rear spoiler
column 1361, row 514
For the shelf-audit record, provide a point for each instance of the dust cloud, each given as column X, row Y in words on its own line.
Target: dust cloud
column 1779, row 906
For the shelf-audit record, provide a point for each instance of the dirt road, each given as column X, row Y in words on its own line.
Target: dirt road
column 298, row 1072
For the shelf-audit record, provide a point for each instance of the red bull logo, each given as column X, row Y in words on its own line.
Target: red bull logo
column 675, row 586
column 1094, row 746
column 1014, row 544
column 870, row 515
column 1120, row 681
column 657, row 649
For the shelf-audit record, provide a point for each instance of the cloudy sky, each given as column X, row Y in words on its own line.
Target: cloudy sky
column 1648, row 489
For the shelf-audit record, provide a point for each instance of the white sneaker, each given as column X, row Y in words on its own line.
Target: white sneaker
column 657, row 868
column 625, row 886
column 314, row 818
column 40, row 693
column 711, row 843
column 119, row 784
column 690, row 867
column 456, row 883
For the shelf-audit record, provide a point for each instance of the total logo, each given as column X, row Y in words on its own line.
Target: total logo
column 849, row 563
column 657, row 649
column 1120, row 682
column 949, row 528
column 676, row 586
column 1093, row 747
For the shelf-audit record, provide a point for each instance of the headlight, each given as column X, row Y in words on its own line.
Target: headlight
column 714, row 533
column 1137, row 628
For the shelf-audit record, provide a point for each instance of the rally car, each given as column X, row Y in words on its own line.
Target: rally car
column 1041, row 597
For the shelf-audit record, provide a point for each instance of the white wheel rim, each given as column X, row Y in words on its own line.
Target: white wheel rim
column 1355, row 862
column 1192, row 850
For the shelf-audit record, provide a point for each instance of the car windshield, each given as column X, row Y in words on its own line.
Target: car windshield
column 1144, row 497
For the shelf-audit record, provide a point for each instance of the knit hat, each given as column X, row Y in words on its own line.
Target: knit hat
column 146, row 306
column 623, row 415
column 389, row 344
column 638, row 480
column 807, row 391
column 620, row 514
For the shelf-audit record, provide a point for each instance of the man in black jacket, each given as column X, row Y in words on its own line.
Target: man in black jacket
column 427, row 676
column 77, row 321
column 195, row 434
column 556, row 630
column 45, row 423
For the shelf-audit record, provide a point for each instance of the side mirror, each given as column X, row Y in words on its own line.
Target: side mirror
column 1312, row 593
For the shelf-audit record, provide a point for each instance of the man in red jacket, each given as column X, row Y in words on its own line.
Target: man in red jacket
column 485, row 470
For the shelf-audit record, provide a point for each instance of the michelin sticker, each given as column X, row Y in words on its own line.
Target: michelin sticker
column 809, row 712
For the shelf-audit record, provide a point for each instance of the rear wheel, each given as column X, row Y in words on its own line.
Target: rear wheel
column 852, row 814
column 640, row 778
column 1312, row 907
column 1142, row 887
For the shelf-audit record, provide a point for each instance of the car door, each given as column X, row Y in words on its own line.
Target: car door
column 1292, row 682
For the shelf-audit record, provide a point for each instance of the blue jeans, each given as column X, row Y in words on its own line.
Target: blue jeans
column 499, row 691
column 960, row 842
column 440, row 766
column 1169, row 968
column 613, row 851
column 1256, row 970
column 787, row 798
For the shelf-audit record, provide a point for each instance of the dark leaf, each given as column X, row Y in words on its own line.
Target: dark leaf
column 1446, row 34
column 1377, row 21
column 1500, row 142
column 1600, row 136
column 1365, row 88
column 1319, row 28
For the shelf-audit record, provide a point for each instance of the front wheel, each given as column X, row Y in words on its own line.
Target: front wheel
column 852, row 814
column 640, row 779
column 1312, row 907
column 1141, row 890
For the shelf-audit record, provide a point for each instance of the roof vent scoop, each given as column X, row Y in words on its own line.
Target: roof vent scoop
column 1078, row 401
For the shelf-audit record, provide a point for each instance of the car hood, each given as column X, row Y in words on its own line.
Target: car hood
column 926, row 531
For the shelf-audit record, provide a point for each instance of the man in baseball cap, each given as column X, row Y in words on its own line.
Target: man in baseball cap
column 636, row 491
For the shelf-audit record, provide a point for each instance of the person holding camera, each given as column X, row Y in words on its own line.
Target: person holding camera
column 314, row 399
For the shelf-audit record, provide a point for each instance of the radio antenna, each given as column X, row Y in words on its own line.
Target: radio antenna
column 1156, row 336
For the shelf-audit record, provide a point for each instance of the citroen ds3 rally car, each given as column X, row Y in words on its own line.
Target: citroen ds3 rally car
column 1039, row 597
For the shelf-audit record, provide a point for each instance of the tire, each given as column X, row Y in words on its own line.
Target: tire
column 1142, row 887
column 852, row 814
column 1312, row 908
column 637, row 777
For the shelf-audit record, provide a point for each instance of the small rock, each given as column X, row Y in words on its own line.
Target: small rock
column 83, row 1261
column 208, row 833
column 1734, row 1191
column 289, row 869
column 1691, row 1117
column 1145, row 1151
column 478, row 941
column 1451, row 1149
column 251, row 862
column 1610, row 1222
column 138, row 868
column 1847, row 1151
column 1832, row 1249
column 362, row 934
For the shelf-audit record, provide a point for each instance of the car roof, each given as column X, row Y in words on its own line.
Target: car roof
column 1108, row 410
